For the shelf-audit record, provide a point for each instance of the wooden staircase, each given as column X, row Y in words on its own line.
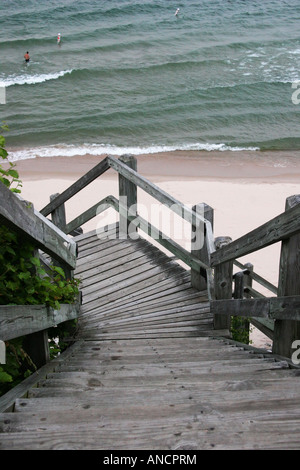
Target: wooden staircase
column 148, row 372
column 152, row 366
column 131, row 289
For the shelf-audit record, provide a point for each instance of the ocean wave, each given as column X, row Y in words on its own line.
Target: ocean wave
column 27, row 79
column 103, row 149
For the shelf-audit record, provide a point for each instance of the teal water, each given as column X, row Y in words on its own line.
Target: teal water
column 131, row 76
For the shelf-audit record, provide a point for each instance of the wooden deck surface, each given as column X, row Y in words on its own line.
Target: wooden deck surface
column 148, row 371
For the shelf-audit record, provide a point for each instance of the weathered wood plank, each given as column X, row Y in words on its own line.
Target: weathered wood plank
column 180, row 209
column 101, row 206
column 222, row 284
column 279, row 228
column 90, row 176
column 20, row 320
column 18, row 214
column 168, row 279
column 129, row 285
column 199, row 246
column 180, row 252
column 127, row 199
column 8, row 400
column 287, row 330
column 256, row 277
column 271, row 307
column 84, row 238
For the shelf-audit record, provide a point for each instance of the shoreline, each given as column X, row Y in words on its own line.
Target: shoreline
column 244, row 192
column 266, row 166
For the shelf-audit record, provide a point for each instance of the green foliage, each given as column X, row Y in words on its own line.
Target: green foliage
column 24, row 281
column 10, row 176
column 18, row 365
column 240, row 329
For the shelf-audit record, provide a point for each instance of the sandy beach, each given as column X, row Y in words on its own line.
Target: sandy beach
column 245, row 189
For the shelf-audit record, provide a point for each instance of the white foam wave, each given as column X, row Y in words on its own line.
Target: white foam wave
column 101, row 149
column 27, row 79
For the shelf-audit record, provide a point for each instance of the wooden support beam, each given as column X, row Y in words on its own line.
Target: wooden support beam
column 223, row 284
column 287, row 308
column 127, row 199
column 199, row 248
column 58, row 217
column 286, row 331
column 240, row 325
column 21, row 320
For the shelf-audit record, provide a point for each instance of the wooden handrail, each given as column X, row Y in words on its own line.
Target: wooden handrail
column 259, row 279
column 277, row 229
column 144, row 225
column 166, row 199
column 274, row 308
column 21, row 320
column 22, row 217
column 85, row 180
column 101, row 206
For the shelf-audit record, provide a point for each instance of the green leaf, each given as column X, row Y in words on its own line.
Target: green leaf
column 24, row 276
column 59, row 271
column 35, row 261
column 5, row 181
column 4, row 377
column 3, row 153
column 13, row 173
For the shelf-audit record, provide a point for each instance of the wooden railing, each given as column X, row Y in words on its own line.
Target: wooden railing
column 278, row 317
column 211, row 263
column 129, row 180
column 34, row 320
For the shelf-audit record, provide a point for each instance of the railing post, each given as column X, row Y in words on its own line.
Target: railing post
column 223, row 285
column 240, row 325
column 287, row 331
column 248, row 279
column 199, row 246
column 58, row 217
column 127, row 198
column 238, row 285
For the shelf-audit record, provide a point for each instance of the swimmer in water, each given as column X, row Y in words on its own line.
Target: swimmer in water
column 177, row 11
column 26, row 57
